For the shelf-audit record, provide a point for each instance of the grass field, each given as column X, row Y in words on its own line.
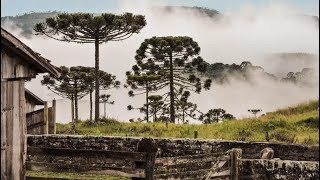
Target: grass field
column 298, row 125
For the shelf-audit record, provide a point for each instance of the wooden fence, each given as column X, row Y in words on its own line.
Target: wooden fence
column 141, row 164
column 42, row 121
column 202, row 166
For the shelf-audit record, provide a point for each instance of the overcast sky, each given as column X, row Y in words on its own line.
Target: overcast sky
column 250, row 30
column 15, row 7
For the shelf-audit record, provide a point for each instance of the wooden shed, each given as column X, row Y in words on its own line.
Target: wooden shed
column 19, row 63
column 32, row 101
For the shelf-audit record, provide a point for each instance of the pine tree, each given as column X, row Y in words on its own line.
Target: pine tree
column 68, row 85
column 88, row 28
column 142, row 84
column 176, row 60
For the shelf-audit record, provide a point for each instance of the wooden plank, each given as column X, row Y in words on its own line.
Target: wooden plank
column 36, row 125
column 148, row 146
column 57, row 167
column 16, row 136
column 9, row 131
column 22, row 128
column 133, row 156
column 235, row 155
column 199, row 174
column 183, row 167
column 225, row 172
column 4, row 111
column 45, row 118
column 190, row 159
column 52, row 118
column 45, row 178
column 216, row 168
column 14, row 67
column 35, row 112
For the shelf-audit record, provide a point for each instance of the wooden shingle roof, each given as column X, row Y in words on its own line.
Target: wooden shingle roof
column 40, row 63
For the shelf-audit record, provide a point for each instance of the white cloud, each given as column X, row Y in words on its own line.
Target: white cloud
column 247, row 34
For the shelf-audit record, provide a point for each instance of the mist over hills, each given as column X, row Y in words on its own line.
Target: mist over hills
column 274, row 38
column 27, row 21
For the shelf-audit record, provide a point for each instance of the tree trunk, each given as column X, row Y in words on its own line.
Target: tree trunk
column 183, row 116
column 104, row 113
column 76, row 102
column 72, row 108
column 97, row 109
column 73, row 127
column 147, row 102
column 91, row 91
column 171, row 91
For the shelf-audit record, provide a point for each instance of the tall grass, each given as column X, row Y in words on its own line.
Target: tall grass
column 299, row 124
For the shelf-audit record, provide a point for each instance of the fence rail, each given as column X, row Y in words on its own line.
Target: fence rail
column 202, row 166
column 101, row 162
column 42, row 121
column 141, row 164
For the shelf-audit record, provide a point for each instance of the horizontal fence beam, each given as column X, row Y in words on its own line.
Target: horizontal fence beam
column 35, row 112
column 102, row 170
column 121, row 155
column 35, row 125
column 168, row 161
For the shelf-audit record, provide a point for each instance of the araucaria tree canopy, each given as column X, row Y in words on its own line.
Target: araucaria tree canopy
column 90, row 28
column 176, row 60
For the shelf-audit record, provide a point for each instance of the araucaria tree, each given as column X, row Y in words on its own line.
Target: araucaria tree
column 142, row 84
column 185, row 109
column 89, row 28
column 69, row 85
column 176, row 60
column 215, row 115
column 106, row 82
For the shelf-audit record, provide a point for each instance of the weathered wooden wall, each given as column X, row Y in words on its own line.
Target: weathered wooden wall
column 14, row 73
column 30, row 106
column 14, row 67
column 35, row 122
column 13, row 130
column 19, row 63
column 42, row 121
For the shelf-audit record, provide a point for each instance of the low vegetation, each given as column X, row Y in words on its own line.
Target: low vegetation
column 298, row 125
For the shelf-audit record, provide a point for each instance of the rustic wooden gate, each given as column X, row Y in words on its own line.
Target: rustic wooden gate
column 203, row 166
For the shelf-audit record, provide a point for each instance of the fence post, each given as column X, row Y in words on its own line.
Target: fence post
column 235, row 156
column 148, row 146
column 45, row 118
column 52, row 119
column 195, row 134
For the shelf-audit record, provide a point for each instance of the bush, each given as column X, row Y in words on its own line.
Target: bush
column 274, row 124
column 312, row 122
column 308, row 141
column 243, row 135
column 284, row 136
column 144, row 129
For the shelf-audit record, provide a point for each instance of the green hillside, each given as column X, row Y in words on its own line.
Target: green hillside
column 298, row 125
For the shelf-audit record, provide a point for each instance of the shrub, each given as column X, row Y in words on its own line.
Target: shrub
column 144, row 129
column 308, row 141
column 274, row 124
column 284, row 136
column 312, row 122
column 243, row 135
